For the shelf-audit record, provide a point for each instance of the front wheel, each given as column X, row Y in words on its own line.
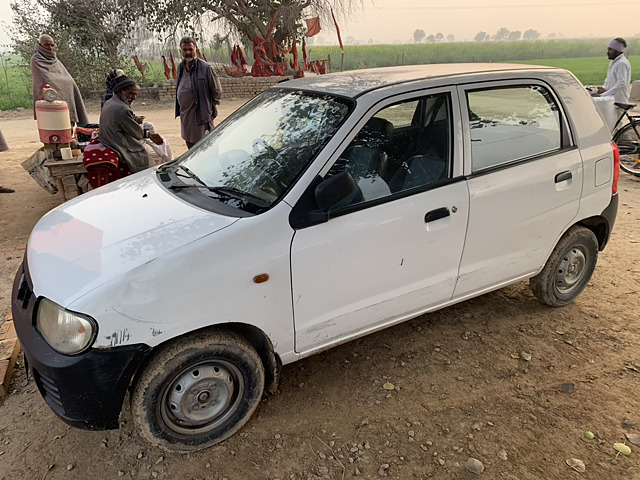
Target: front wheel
column 197, row 391
column 628, row 141
column 569, row 268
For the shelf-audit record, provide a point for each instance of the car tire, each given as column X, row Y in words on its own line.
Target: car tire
column 568, row 269
column 197, row 391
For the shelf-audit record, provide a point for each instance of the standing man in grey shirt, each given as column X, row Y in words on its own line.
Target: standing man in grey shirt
column 197, row 94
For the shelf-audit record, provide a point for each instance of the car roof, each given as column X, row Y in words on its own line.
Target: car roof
column 357, row 82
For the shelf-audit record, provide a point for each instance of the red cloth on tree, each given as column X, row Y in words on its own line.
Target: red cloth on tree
column 305, row 64
column 313, row 26
column 167, row 71
column 337, row 30
column 233, row 71
column 174, row 70
column 294, row 52
column 237, row 58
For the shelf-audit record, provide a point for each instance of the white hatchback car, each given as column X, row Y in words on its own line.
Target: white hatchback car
column 322, row 210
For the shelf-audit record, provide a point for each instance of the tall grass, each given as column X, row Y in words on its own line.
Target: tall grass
column 368, row 56
column 590, row 71
column 15, row 83
column 586, row 58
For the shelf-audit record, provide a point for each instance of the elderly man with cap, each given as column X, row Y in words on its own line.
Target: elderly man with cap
column 618, row 81
column 46, row 69
column 119, row 127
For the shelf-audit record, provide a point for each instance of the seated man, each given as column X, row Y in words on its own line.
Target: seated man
column 119, row 129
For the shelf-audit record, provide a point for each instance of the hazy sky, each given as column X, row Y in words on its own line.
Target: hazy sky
column 386, row 21
column 389, row 20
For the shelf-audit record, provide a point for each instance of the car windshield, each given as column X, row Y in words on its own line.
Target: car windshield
column 254, row 156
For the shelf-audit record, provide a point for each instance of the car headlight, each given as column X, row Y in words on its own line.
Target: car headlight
column 65, row 331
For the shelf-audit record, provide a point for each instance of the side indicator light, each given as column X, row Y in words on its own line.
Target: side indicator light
column 263, row 277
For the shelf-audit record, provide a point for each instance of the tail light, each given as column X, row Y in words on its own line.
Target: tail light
column 616, row 168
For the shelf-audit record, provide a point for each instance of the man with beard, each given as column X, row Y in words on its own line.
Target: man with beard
column 46, row 69
column 197, row 94
column 119, row 128
column 618, row 81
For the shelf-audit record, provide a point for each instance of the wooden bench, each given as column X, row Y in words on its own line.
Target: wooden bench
column 67, row 176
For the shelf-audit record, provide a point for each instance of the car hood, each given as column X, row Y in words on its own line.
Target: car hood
column 109, row 231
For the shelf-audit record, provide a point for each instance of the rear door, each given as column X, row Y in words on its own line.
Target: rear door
column 525, row 181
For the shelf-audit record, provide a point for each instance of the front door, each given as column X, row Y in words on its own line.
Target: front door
column 392, row 249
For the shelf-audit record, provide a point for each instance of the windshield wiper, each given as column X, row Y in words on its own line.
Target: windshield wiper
column 236, row 193
column 229, row 192
column 192, row 175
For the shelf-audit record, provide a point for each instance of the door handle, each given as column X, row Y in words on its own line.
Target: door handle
column 436, row 214
column 561, row 177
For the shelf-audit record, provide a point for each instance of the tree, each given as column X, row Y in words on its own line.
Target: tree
column 250, row 18
column 451, row 38
column 531, row 35
column 514, row 36
column 551, row 35
column 88, row 35
column 431, row 39
column 501, row 35
column 439, row 37
column 418, row 35
column 481, row 36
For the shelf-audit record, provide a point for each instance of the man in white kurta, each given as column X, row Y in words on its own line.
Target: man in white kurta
column 618, row 81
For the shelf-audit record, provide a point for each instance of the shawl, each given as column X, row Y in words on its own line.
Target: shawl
column 47, row 69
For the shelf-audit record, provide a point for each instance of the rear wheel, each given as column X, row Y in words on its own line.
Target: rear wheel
column 628, row 141
column 197, row 391
column 569, row 268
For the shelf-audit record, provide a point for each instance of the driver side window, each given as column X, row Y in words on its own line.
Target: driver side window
column 402, row 147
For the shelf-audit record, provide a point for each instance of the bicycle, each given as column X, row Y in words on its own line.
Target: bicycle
column 628, row 140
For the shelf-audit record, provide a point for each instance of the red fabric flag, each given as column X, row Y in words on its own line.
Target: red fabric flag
column 174, row 70
column 294, row 51
column 272, row 25
column 305, row 64
column 337, row 30
column 167, row 71
column 237, row 58
column 313, row 26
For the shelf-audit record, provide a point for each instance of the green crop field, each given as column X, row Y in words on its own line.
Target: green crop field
column 586, row 58
column 15, row 84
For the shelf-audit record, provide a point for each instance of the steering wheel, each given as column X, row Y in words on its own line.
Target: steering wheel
column 259, row 142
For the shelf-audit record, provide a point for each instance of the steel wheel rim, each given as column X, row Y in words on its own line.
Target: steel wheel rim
column 202, row 397
column 571, row 269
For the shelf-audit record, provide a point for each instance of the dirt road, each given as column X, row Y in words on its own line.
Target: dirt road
column 460, row 392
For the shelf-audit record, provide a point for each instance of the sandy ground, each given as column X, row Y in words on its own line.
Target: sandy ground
column 461, row 393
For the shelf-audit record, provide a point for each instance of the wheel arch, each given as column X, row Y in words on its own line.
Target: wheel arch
column 256, row 337
column 600, row 228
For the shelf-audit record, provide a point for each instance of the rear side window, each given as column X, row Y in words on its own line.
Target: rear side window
column 512, row 123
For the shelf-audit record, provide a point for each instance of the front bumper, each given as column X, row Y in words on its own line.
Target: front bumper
column 85, row 390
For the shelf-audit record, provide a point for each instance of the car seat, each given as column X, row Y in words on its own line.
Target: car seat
column 429, row 164
column 366, row 160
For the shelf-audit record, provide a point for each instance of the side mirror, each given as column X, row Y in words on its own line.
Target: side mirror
column 333, row 189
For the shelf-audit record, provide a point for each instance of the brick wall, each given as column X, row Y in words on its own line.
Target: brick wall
column 246, row 87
